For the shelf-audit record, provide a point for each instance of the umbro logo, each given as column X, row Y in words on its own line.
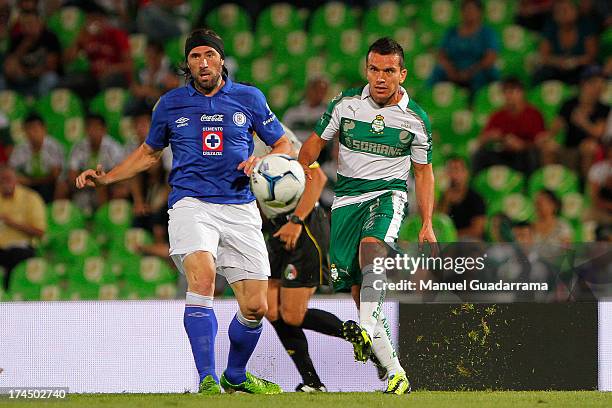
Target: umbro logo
column 182, row 121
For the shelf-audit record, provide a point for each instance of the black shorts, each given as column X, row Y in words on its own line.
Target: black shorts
column 309, row 258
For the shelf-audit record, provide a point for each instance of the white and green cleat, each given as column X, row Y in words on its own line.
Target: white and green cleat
column 398, row 384
column 252, row 385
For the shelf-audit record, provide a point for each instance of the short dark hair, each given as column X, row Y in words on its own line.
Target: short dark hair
column 477, row 3
column 553, row 197
column 96, row 117
column 387, row 46
column 33, row 117
column 512, row 82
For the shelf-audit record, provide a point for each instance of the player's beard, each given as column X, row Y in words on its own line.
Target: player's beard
column 208, row 86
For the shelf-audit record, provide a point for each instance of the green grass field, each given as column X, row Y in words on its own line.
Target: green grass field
column 421, row 399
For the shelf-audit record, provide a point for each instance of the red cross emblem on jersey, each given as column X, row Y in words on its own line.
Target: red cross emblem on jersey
column 212, row 141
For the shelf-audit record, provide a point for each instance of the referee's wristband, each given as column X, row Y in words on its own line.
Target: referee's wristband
column 294, row 219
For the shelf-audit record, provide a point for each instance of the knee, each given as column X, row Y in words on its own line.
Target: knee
column 202, row 286
column 272, row 315
column 255, row 310
column 292, row 317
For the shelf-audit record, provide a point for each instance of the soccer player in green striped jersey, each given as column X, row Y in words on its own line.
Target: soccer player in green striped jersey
column 382, row 133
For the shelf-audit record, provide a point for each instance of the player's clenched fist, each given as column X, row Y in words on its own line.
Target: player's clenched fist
column 91, row 178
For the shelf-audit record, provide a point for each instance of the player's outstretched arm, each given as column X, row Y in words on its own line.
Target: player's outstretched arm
column 139, row 160
column 424, row 189
column 281, row 146
column 310, row 152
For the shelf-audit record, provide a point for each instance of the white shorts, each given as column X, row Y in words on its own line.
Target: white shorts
column 230, row 232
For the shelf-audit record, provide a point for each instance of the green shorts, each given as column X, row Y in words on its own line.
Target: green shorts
column 380, row 218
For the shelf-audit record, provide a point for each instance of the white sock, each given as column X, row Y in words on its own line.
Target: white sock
column 370, row 300
column 383, row 347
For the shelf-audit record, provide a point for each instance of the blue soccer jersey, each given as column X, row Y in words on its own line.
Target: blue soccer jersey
column 209, row 137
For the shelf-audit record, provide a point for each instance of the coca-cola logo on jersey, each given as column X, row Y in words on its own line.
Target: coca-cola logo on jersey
column 217, row 117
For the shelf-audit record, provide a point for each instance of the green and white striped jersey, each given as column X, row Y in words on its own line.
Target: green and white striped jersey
column 376, row 144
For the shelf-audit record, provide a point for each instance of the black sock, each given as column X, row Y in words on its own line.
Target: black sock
column 323, row 322
column 294, row 341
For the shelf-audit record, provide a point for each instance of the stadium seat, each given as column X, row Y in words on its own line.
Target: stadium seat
column 34, row 279
column 110, row 103
column 457, row 132
column 78, row 245
column 13, row 105
column 328, row 21
column 436, row 17
column 346, row 57
column 383, row 21
column 548, row 97
column 62, row 217
column 242, row 46
column 499, row 13
column 488, row 99
column 497, row 182
column 123, row 249
column 293, row 51
column 516, row 206
column 150, row 277
column 275, row 22
column 262, row 72
column 442, row 225
column 93, row 279
column 138, row 47
column 112, row 219
column 228, row 18
column 56, row 108
column 554, row 177
column 175, row 50
column 419, row 70
column 518, row 53
column 280, row 97
column 66, row 23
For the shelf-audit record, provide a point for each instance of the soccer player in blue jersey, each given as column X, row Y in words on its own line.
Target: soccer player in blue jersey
column 214, row 224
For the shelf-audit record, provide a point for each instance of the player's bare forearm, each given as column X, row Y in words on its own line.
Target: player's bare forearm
column 424, row 189
column 282, row 146
column 311, row 149
column 138, row 161
column 312, row 192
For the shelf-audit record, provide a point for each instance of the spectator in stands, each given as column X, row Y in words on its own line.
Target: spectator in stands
column 107, row 50
column 600, row 188
column 568, row 45
column 6, row 142
column 150, row 189
column 532, row 14
column 462, row 204
column 39, row 160
column 5, row 13
column 302, row 118
column 583, row 118
column 22, row 221
column 160, row 21
column 32, row 65
column 98, row 149
column 511, row 133
column 155, row 79
column 468, row 52
column 548, row 227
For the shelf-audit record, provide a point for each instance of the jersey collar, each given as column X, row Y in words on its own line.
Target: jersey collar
column 403, row 103
column 225, row 89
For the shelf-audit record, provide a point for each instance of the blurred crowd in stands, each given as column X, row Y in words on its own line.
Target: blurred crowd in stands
column 518, row 93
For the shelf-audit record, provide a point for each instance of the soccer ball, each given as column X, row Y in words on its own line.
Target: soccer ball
column 278, row 180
